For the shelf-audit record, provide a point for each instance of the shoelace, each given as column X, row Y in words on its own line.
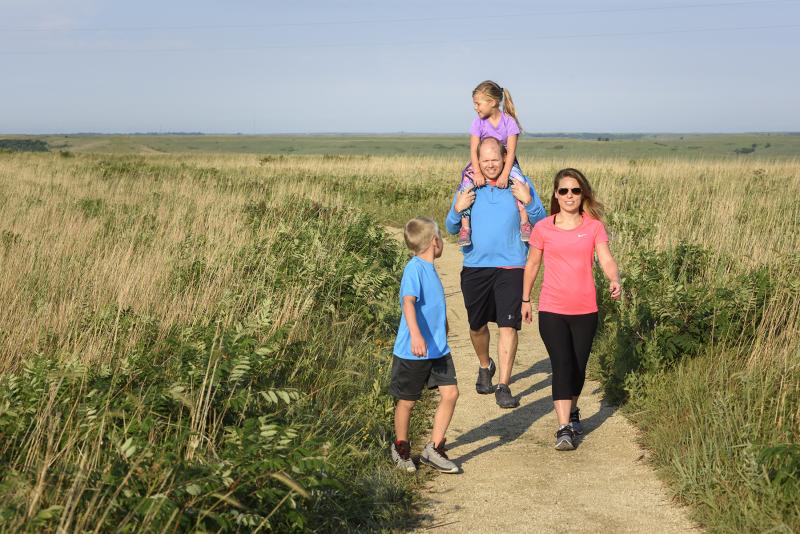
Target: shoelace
column 566, row 431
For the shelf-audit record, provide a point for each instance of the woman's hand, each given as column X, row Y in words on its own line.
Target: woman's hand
column 615, row 289
column 464, row 199
column 527, row 313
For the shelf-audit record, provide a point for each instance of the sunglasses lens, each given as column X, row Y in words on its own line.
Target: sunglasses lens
column 563, row 191
column 576, row 190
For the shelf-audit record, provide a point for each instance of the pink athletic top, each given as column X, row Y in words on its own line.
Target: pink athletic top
column 568, row 286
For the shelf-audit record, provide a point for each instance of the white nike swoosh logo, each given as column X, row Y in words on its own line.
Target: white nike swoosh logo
column 582, row 235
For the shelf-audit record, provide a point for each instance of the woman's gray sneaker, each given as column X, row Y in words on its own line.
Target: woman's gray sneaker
column 565, row 438
column 436, row 457
column 401, row 455
column 575, row 421
column 504, row 398
column 484, row 384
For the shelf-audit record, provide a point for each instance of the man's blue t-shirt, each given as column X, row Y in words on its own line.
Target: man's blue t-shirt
column 495, row 227
column 420, row 280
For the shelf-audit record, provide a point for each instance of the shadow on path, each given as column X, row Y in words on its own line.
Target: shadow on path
column 510, row 426
column 542, row 366
column 507, row 427
column 594, row 421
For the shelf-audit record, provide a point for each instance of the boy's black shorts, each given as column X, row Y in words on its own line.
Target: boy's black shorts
column 409, row 377
column 492, row 295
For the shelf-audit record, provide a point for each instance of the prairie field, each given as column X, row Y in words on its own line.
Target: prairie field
column 198, row 338
column 561, row 147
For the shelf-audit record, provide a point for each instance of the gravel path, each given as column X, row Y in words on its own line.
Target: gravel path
column 513, row 479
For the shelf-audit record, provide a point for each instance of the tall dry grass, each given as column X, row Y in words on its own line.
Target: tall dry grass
column 91, row 236
column 88, row 242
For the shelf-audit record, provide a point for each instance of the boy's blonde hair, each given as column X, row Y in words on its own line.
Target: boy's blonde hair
column 419, row 232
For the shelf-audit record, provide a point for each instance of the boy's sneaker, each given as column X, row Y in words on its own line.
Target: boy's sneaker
column 575, row 421
column 401, row 455
column 464, row 237
column 484, row 383
column 525, row 230
column 436, row 457
column 504, row 398
column 565, row 438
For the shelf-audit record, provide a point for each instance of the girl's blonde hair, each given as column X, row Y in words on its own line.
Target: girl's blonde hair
column 419, row 232
column 589, row 203
column 499, row 95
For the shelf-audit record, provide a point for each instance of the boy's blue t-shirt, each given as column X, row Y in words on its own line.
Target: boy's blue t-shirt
column 421, row 280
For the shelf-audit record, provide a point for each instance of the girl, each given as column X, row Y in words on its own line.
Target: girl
column 568, row 302
column 503, row 126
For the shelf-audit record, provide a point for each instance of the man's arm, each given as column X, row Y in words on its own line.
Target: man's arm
column 461, row 201
column 535, row 208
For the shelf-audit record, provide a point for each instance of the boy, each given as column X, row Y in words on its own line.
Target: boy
column 421, row 354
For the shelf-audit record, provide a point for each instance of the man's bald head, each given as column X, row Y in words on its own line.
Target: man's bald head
column 487, row 142
column 491, row 157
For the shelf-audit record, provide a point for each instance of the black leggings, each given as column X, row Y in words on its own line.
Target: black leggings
column 568, row 339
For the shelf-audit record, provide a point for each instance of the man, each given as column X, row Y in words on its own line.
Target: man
column 491, row 280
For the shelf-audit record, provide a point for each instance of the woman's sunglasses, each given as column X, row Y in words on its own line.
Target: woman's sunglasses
column 564, row 190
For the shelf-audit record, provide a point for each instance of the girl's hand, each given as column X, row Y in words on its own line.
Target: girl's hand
column 615, row 289
column 502, row 182
column 478, row 179
column 527, row 313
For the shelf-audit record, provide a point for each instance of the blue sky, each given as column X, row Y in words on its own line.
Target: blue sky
column 359, row 66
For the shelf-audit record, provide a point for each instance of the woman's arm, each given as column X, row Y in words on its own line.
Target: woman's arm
column 610, row 269
column 477, row 175
column 531, row 271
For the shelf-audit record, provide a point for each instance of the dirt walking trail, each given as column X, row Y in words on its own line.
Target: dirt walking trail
column 513, row 480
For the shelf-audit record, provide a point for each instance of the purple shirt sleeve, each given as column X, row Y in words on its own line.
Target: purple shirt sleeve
column 512, row 128
column 475, row 129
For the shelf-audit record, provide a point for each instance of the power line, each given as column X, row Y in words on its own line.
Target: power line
column 369, row 45
column 395, row 21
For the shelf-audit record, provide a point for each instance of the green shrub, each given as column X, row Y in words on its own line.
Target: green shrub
column 685, row 350
column 674, row 309
column 224, row 425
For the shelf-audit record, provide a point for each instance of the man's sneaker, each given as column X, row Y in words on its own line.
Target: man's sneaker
column 565, row 438
column 436, row 457
column 401, row 455
column 464, row 237
column 575, row 421
column 525, row 230
column 484, row 383
column 504, row 398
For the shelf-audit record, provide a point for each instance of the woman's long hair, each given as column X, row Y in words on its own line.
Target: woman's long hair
column 589, row 203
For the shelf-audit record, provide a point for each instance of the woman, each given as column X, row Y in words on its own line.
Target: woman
column 568, row 240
